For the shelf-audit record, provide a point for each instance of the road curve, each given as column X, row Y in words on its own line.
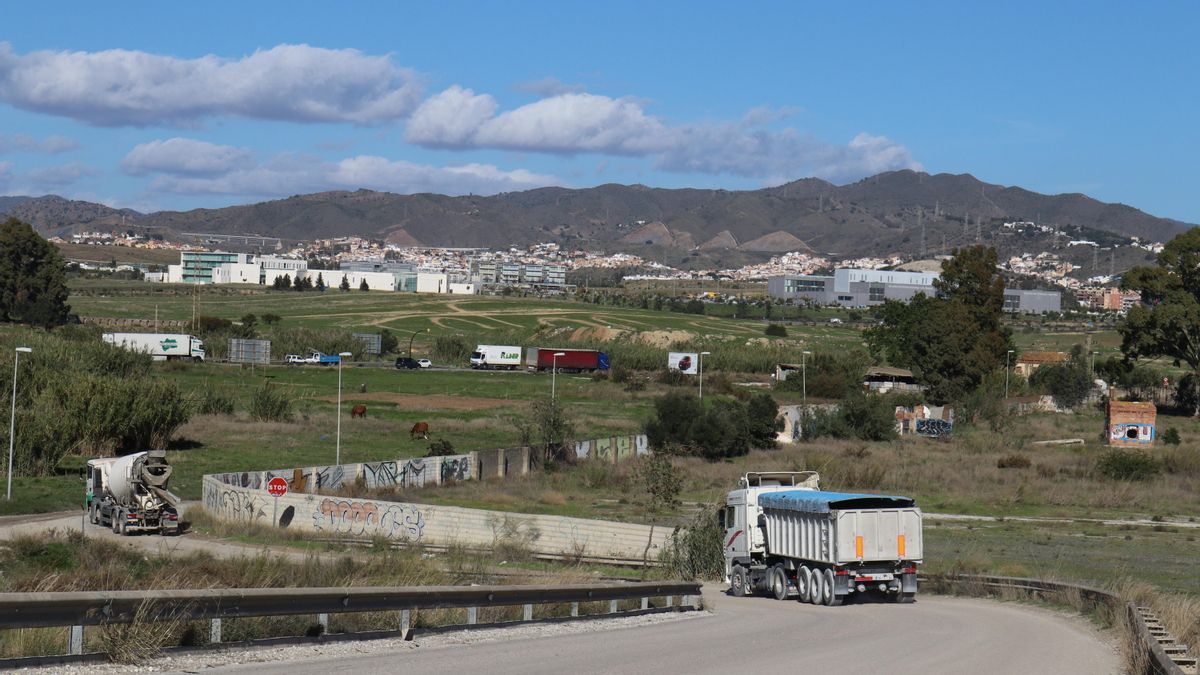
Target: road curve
column 760, row 635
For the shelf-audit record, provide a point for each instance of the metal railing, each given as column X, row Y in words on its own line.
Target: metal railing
column 1162, row 652
column 79, row 609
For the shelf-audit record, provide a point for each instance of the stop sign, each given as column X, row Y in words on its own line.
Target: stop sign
column 277, row 486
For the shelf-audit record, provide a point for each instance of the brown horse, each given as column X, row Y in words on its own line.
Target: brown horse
column 419, row 429
column 359, row 410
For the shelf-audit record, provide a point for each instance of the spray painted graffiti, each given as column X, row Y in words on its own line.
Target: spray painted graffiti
column 234, row 504
column 395, row 521
column 456, row 468
column 414, row 473
column 330, row 477
column 934, row 428
column 382, row 474
column 618, row 448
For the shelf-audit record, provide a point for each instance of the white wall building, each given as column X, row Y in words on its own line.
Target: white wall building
column 236, row 273
column 842, row 278
column 376, row 281
column 464, row 288
column 433, row 282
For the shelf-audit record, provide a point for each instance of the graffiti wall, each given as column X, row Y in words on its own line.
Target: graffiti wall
column 322, row 515
column 930, row 421
column 613, row 449
column 406, row 473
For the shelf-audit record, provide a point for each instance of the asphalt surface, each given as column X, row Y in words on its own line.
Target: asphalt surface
column 762, row 635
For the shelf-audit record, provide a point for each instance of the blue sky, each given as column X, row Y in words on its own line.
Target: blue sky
column 184, row 105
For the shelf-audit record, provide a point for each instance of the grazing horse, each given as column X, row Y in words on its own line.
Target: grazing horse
column 419, row 429
column 359, row 410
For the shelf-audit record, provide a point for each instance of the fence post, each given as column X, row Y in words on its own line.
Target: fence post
column 323, row 621
column 612, row 606
column 688, row 601
column 214, row 630
column 574, row 609
column 75, row 642
column 405, row 622
column 527, row 614
column 645, row 603
column 472, row 614
column 670, row 601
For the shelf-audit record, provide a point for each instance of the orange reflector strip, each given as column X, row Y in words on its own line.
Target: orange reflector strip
column 858, row 546
column 900, row 545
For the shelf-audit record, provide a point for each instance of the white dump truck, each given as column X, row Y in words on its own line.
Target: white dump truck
column 129, row 494
column 160, row 346
column 786, row 537
column 496, row 357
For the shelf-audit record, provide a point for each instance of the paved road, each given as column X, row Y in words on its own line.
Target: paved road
column 760, row 635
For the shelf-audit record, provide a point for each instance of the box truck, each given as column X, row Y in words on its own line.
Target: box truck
column 160, row 346
column 130, row 493
column 571, row 361
column 496, row 357
column 786, row 537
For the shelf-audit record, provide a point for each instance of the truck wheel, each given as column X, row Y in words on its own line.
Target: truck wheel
column 804, row 583
column 116, row 520
column 124, row 526
column 904, row 598
column 828, row 592
column 816, row 583
column 779, row 583
column 739, row 585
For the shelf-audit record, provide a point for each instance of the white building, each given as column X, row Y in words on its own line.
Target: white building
column 433, row 282
column 237, row 273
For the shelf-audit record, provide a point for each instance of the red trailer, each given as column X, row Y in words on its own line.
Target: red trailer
column 571, row 361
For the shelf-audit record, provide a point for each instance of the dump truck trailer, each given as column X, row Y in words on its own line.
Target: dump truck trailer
column 571, row 361
column 788, row 538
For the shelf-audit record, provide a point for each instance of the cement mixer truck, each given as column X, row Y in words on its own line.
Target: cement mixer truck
column 129, row 494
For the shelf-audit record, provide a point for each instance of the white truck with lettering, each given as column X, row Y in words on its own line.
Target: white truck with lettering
column 496, row 357
column 160, row 346
column 786, row 537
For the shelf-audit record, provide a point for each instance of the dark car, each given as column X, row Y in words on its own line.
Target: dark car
column 407, row 362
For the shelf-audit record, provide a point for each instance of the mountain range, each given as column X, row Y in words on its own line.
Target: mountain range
column 901, row 212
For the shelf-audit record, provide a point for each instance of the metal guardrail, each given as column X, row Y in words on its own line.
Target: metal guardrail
column 1163, row 654
column 79, row 609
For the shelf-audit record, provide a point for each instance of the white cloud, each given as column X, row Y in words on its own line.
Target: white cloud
column 549, row 86
column 50, row 145
column 185, row 156
column 571, row 123
column 53, row 177
column 297, row 83
column 289, row 174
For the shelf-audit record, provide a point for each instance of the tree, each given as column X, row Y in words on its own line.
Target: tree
column 1069, row 383
column 345, row 285
column 953, row 341
column 248, row 320
column 271, row 319
column 33, row 285
column 1168, row 321
column 363, row 286
column 763, row 420
column 298, row 283
column 388, row 342
column 282, row 283
column 320, row 281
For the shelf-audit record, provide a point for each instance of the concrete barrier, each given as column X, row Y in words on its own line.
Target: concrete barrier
column 436, row 525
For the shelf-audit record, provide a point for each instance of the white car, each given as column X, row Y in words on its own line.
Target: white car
column 425, row 363
column 294, row 359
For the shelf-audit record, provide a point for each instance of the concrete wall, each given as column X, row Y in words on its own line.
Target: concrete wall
column 613, row 449
column 429, row 282
column 436, row 525
column 405, row 473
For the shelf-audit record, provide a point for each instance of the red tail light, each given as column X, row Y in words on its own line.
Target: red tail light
column 911, row 569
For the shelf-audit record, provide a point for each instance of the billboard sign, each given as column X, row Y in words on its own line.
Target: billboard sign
column 687, row 363
column 250, row 351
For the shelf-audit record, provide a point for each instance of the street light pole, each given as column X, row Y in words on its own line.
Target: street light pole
column 1007, row 356
column 554, row 373
column 413, row 337
column 804, row 376
column 341, row 357
column 1092, row 368
column 12, row 419
column 700, row 365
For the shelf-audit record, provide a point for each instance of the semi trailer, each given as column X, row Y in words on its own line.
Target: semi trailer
column 496, row 357
column 160, row 346
column 786, row 537
column 571, row 361
column 129, row 494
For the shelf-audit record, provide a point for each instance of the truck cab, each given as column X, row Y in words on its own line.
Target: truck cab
column 744, row 534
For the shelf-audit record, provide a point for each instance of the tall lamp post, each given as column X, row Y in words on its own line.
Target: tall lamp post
column 554, row 373
column 804, row 376
column 1007, row 356
column 1092, row 368
column 341, row 357
column 700, row 365
column 413, row 337
column 12, row 419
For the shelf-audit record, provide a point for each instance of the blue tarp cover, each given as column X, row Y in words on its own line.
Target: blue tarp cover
column 810, row 501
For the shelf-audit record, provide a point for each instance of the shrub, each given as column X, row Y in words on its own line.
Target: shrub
column 212, row 402
column 1013, row 461
column 1120, row 464
column 270, row 404
column 1171, row 436
column 659, row 482
column 620, row 374
column 695, row 552
column 452, row 349
column 830, row 374
column 674, row 378
column 1069, row 383
column 684, row 425
column 775, row 330
column 440, row 448
column 1187, row 394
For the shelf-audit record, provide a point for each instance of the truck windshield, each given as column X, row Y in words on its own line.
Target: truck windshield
column 477, row 355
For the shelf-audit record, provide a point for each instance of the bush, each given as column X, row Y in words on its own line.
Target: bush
column 866, row 417
column 1120, row 464
column 1069, row 383
column 1171, row 436
column 452, row 349
column 775, row 330
column 440, row 448
column 830, row 374
column 270, row 404
column 213, row 402
column 695, row 552
column 620, row 374
column 1187, row 394
column 674, row 378
column 1013, row 461
column 683, row 425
